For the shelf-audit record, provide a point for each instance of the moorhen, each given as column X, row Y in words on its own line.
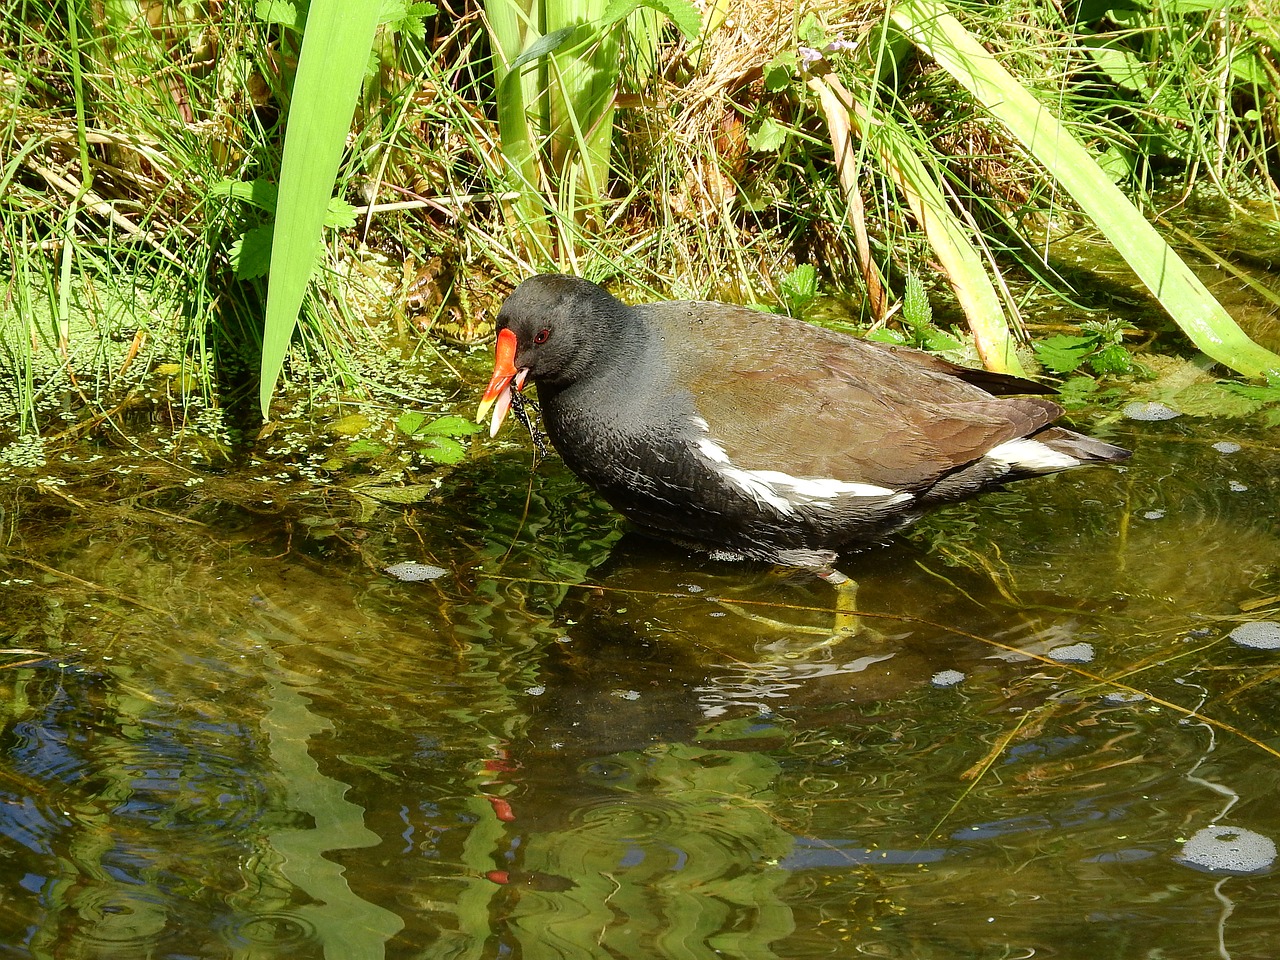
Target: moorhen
column 753, row 436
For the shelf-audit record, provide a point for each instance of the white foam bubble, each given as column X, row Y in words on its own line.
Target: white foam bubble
column 1232, row 850
column 946, row 678
column 1073, row 653
column 412, row 572
column 1149, row 410
column 1260, row 635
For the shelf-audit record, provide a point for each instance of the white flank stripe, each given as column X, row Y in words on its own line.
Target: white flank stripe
column 784, row 492
column 1031, row 455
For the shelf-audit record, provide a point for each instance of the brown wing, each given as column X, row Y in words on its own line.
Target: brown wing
column 813, row 403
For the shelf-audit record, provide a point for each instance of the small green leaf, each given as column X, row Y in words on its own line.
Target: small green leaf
column 1113, row 358
column 350, row 425
column 451, row 426
column 917, row 311
column 887, row 335
column 259, row 193
column 767, row 137
column 410, row 423
column 251, row 253
column 547, row 43
column 812, row 32
column 1120, row 65
column 339, row 214
column 444, row 450
column 282, row 12
column 1182, row 7
column 1077, row 391
column 1247, row 67
column 939, row 341
column 1063, row 353
column 780, row 71
column 801, row 284
column 683, row 13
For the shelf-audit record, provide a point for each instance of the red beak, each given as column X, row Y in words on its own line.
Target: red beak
column 504, row 373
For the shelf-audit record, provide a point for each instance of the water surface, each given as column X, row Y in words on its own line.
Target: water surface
column 227, row 732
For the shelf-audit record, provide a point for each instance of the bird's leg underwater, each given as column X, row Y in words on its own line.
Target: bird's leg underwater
column 846, row 625
column 846, row 618
column 846, row 622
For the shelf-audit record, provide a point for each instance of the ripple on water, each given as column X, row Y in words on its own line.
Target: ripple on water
column 117, row 916
column 274, row 932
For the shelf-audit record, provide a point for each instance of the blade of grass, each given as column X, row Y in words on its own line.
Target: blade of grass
column 960, row 260
column 518, row 38
column 1180, row 292
column 331, row 67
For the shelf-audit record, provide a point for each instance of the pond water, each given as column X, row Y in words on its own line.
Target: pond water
column 228, row 732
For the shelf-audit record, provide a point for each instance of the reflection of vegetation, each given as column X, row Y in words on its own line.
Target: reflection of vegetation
column 519, row 756
column 680, row 843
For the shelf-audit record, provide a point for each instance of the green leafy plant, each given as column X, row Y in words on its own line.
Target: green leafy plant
column 557, row 64
column 332, row 65
column 437, row 440
column 1099, row 346
column 799, row 289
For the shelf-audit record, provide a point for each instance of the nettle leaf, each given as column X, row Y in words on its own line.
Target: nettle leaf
column 444, row 450
column 801, row 284
column 916, row 308
column 410, row 423
column 1214, row 400
column 1077, row 391
column 1113, row 358
column 938, row 341
column 1063, row 353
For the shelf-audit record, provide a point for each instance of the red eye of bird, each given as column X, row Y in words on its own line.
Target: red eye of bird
column 542, row 335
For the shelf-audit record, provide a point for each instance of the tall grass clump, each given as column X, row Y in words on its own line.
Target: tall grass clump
column 186, row 191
